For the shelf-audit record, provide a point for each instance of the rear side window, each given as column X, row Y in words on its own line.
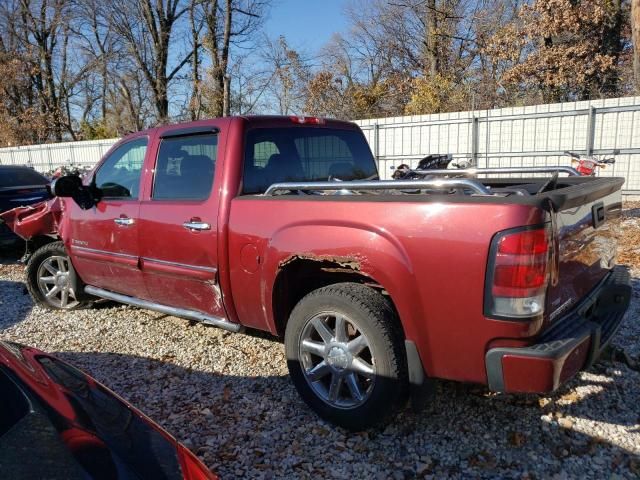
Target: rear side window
column 119, row 175
column 185, row 168
column 20, row 176
column 305, row 154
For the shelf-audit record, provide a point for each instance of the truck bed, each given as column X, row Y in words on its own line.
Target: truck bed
column 566, row 193
column 428, row 250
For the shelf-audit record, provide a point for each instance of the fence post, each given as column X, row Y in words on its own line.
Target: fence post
column 591, row 130
column 475, row 124
column 49, row 155
column 72, row 154
column 376, row 142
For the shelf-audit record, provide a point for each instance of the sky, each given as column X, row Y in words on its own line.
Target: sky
column 306, row 24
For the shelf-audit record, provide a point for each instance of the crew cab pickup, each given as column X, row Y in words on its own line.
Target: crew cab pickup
column 282, row 224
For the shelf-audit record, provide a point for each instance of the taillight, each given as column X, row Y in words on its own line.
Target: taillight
column 192, row 468
column 518, row 273
column 307, row 120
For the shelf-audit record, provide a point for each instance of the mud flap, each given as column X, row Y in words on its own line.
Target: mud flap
column 421, row 387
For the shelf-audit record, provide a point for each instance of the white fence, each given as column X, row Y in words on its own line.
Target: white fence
column 48, row 156
column 519, row 136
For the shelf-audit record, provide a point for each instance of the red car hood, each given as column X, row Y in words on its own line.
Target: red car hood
column 79, row 425
column 34, row 220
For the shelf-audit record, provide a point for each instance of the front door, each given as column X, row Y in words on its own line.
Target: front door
column 103, row 241
column 178, row 224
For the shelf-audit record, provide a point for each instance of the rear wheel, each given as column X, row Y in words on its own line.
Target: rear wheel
column 345, row 353
column 51, row 279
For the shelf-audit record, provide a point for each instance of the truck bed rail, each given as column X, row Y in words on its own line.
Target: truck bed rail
column 359, row 185
column 472, row 172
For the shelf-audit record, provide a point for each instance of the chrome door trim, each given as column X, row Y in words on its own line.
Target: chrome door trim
column 102, row 252
column 180, row 265
column 178, row 312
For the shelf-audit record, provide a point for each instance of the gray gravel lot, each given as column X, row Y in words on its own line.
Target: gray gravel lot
column 228, row 397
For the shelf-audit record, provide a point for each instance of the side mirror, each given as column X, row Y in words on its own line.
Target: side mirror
column 66, row 186
column 85, row 197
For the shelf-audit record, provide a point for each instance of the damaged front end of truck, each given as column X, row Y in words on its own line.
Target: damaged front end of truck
column 37, row 224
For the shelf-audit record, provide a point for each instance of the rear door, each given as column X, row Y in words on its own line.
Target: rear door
column 178, row 220
column 103, row 241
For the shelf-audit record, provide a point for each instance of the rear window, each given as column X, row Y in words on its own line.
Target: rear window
column 307, row 154
column 20, row 176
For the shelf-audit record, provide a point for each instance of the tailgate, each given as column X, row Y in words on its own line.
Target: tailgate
column 587, row 229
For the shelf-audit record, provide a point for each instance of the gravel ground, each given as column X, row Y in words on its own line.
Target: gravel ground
column 228, row 397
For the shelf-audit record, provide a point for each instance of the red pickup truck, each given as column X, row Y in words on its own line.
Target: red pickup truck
column 281, row 224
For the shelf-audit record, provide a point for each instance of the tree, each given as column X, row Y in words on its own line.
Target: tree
column 563, row 49
column 229, row 23
column 398, row 55
column 21, row 120
column 40, row 35
column 288, row 76
column 197, row 25
column 146, row 30
column 635, row 25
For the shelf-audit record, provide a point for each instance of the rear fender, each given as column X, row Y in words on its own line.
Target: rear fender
column 35, row 220
column 364, row 249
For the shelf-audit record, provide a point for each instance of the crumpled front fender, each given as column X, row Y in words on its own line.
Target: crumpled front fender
column 34, row 220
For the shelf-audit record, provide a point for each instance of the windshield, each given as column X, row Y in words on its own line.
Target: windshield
column 20, row 176
column 307, row 154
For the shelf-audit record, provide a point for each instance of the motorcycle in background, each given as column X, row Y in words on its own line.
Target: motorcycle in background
column 588, row 165
column 430, row 162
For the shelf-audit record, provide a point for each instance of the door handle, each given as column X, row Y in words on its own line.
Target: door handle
column 194, row 225
column 124, row 221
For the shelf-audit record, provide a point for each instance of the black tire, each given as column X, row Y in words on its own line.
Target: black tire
column 367, row 313
column 46, row 253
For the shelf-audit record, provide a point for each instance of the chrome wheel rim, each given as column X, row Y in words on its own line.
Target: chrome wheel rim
column 337, row 360
column 54, row 282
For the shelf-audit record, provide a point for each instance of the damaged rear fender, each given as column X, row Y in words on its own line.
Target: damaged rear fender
column 377, row 255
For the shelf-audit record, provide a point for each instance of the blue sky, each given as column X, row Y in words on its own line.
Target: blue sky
column 307, row 24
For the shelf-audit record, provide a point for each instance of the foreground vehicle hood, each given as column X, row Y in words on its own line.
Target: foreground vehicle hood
column 77, row 428
column 34, row 220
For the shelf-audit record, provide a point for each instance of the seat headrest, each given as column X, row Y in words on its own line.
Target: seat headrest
column 196, row 164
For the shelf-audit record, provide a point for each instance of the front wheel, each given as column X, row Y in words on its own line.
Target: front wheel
column 51, row 279
column 345, row 354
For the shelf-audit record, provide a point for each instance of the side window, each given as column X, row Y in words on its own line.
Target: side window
column 185, row 168
column 119, row 175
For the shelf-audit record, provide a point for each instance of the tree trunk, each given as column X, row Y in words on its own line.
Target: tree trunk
column 226, row 97
column 635, row 26
column 195, row 102
column 612, row 46
column 431, row 55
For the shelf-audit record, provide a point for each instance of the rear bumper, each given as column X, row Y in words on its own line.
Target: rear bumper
column 572, row 344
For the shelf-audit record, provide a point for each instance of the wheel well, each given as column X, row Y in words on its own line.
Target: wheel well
column 301, row 276
column 40, row 241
